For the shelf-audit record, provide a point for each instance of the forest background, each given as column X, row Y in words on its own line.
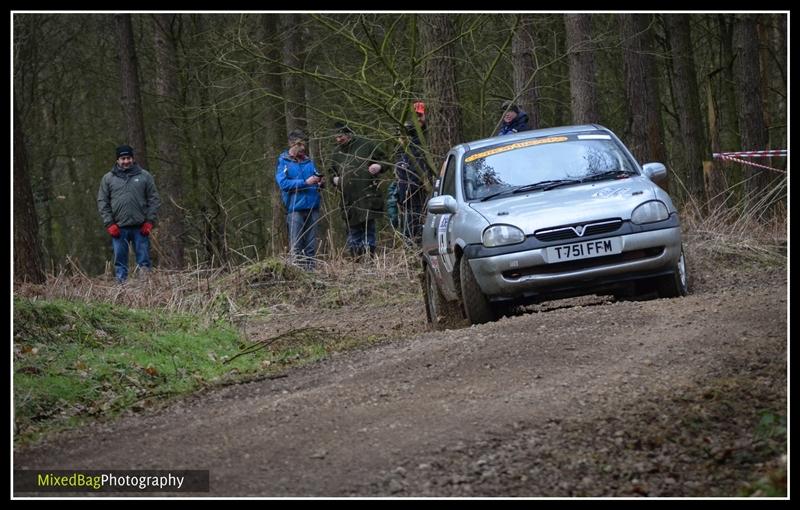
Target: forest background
column 207, row 99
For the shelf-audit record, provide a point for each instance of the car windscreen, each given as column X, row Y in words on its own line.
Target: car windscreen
column 548, row 161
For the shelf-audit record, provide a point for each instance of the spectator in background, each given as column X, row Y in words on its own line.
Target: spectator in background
column 411, row 170
column 299, row 182
column 356, row 165
column 128, row 203
column 514, row 119
column 419, row 109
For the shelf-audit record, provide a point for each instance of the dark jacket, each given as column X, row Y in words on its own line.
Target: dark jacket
column 291, row 177
column 361, row 198
column 520, row 123
column 411, row 170
column 128, row 198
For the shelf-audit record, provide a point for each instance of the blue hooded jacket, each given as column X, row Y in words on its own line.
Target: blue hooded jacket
column 291, row 177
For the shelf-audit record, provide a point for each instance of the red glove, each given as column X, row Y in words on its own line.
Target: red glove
column 113, row 229
column 146, row 228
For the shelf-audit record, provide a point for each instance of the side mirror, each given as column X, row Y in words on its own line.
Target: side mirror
column 656, row 172
column 443, row 204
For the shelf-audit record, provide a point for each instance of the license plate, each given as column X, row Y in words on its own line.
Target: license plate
column 584, row 250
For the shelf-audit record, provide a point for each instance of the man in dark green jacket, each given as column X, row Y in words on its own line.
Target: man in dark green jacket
column 128, row 203
column 357, row 162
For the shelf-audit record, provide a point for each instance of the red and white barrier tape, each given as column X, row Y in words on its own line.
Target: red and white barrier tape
column 730, row 158
column 753, row 154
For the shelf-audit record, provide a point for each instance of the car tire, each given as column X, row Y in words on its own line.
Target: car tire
column 675, row 284
column 477, row 307
column 505, row 310
column 442, row 314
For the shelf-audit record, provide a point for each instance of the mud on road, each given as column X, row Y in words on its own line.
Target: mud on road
column 587, row 397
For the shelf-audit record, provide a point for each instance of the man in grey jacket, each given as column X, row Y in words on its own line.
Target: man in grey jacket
column 128, row 203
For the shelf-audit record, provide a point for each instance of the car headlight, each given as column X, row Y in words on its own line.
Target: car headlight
column 650, row 212
column 501, row 235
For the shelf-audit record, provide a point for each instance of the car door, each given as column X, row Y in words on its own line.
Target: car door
column 443, row 227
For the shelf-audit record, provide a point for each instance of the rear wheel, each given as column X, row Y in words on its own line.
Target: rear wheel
column 675, row 284
column 478, row 308
column 442, row 314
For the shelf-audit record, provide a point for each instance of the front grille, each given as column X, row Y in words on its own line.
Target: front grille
column 573, row 265
column 571, row 231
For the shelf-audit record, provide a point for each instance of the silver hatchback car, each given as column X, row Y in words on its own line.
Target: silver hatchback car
column 544, row 215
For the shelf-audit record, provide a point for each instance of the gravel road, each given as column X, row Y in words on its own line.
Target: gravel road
column 587, row 397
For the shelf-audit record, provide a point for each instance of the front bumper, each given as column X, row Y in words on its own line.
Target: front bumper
column 525, row 273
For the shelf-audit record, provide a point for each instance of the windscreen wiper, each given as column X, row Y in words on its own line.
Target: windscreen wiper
column 541, row 185
column 489, row 197
column 544, row 185
column 616, row 174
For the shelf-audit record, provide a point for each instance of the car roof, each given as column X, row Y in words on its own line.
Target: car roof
column 525, row 135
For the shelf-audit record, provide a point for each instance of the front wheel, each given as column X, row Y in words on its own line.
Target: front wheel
column 442, row 314
column 477, row 306
column 675, row 284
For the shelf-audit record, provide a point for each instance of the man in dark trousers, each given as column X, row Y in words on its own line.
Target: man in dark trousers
column 128, row 203
column 357, row 162
column 411, row 171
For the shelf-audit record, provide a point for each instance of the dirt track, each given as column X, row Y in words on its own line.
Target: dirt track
column 585, row 398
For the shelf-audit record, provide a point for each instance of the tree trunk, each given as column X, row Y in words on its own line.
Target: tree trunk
column 27, row 252
column 583, row 93
column 779, row 46
column 644, row 134
column 778, row 129
column 773, row 79
column 292, row 56
column 275, row 140
column 170, row 183
column 751, row 114
column 728, row 112
column 216, row 146
column 444, row 113
column 687, row 104
column 715, row 170
column 523, row 54
column 131, row 97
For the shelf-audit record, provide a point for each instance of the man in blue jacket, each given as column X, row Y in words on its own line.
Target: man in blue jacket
column 299, row 181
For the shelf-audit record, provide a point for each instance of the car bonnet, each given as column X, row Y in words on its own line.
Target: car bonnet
column 535, row 210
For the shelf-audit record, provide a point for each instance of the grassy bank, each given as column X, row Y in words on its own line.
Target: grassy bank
column 88, row 349
column 75, row 361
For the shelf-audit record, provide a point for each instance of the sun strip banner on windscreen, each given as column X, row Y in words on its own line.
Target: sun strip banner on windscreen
column 515, row 145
